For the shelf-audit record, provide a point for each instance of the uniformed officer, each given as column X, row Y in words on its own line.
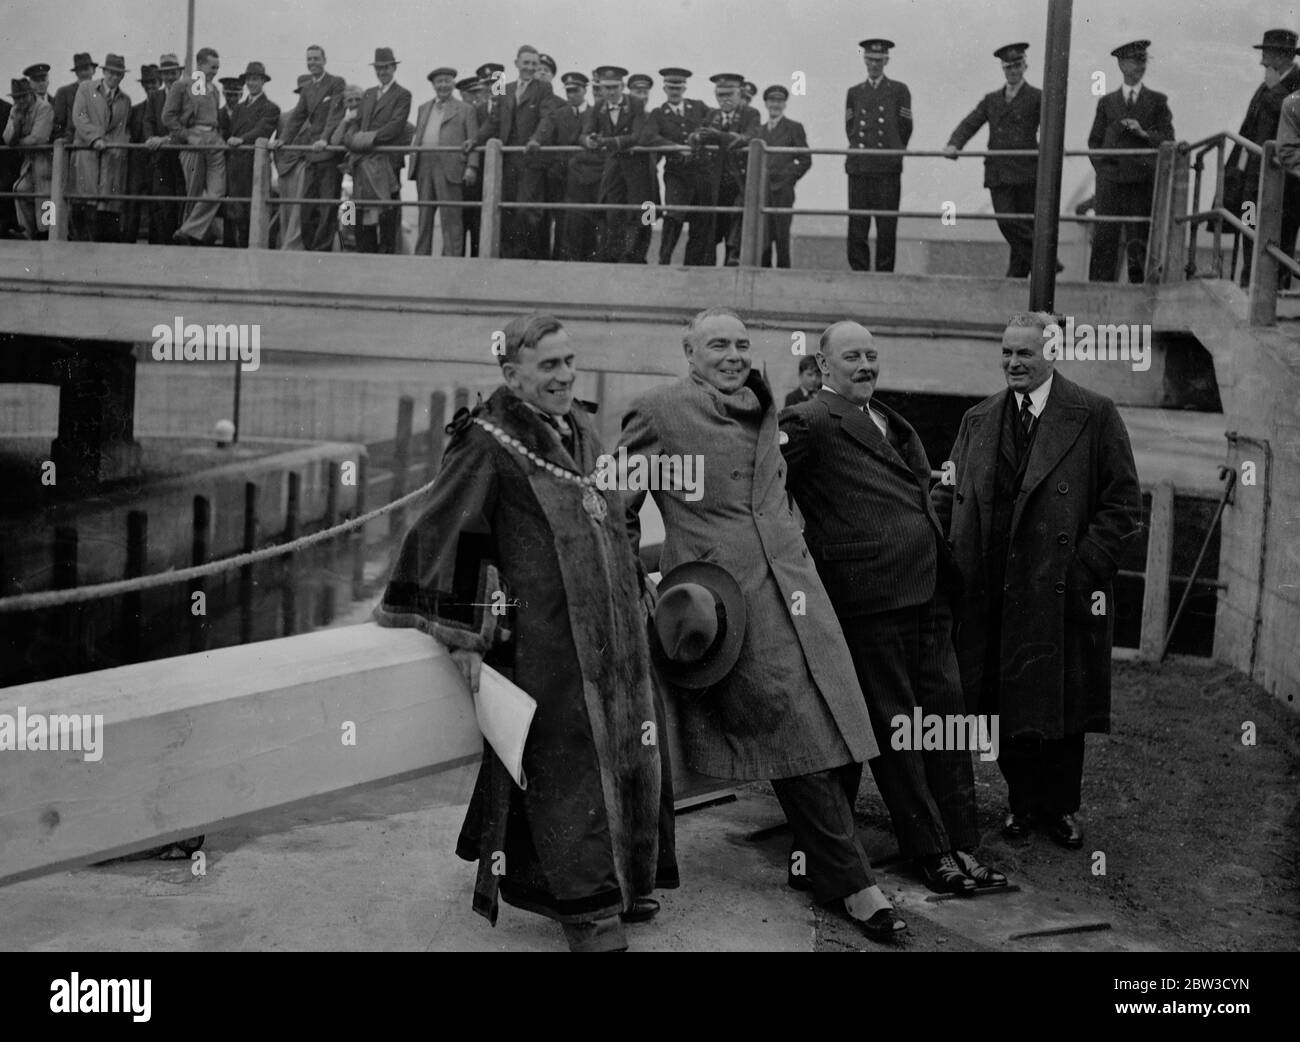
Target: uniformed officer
column 782, row 172
column 747, row 93
column 477, row 91
column 1135, row 116
column 1012, row 113
column 728, row 128
column 547, row 70
column 877, row 115
column 1281, row 77
column 575, row 230
column 38, row 76
column 639, row 86
column 686, row 175
column 613, row 126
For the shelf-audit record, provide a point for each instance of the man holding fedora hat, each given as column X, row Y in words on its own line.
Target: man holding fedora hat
column 257, row 116
column 31, row 122
column 744, row 623
column 1263, row 115
column 100, row 115
column 442, row 176
column 517, row 518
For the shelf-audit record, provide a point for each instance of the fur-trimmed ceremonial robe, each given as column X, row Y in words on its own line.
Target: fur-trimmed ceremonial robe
column 581, row 842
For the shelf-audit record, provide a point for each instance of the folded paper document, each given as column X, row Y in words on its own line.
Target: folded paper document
column 504, row 712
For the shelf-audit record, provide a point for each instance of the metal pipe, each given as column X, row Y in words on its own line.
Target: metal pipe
column 1231, row 476
column 1047, row 203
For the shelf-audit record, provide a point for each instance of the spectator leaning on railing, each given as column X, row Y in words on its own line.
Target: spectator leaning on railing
column 166, row 178
column 191, row 118
column 31, row 122
column 250, row 120
column 100, row 115
column 80, row 227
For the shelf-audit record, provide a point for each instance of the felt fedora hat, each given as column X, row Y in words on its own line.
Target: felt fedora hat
column 698, row 626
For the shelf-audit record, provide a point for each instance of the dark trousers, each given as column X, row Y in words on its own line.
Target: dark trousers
column 819, row 808
column 1286, row 243
column 107, row 225
column 1019, row 234
column 687, row 186
column 320, row 222
column 873, row 192
column 1120, row 199
column 551, row 234
column 726, row 226
column 579, row 227
column 470, row 217
column 167, row 178
column 390, row 226
column 520, row 234
column 778, row 226
column 1044, row 775
column 904, row 660
column 618, row 228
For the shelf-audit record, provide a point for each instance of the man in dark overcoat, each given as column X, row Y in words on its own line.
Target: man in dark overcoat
column 686, row 178
column 1134, row 116
column 877, row 115
column 861, row 479
column 723, row 140
column 1041, row 505
column 790, row 711
column 613, row 127
column 1012, row 113
column 516, row 518
column 1263, row 114
column 255, row 117
column 783, row 173
column 575, row 230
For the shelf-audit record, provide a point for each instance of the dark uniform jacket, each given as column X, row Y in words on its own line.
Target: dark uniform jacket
column 1013, row 125
column 1151, row 110
column 626, row 134
column 1078, row 508
column 731, row 156
column 877, row 117
column 785, row 170
column 562, row 126
column 868, row 521
column 665, row 127
column 513, row 122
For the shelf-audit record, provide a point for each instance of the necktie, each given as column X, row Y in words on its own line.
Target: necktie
column 1131, row 97
column 1026, row 417
column 576, row 111
column 566, row 438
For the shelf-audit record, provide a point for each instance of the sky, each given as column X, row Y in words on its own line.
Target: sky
column 1201, row 55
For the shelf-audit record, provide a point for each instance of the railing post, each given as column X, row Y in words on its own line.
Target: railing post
column 752, row 223
column 437, row 434
column 137, row 552
column 1220, row 165
column 259, row 220
column 489, row 228
column 58, row 182
column 401, row 463
column 1158, row 231
column 359, row 536
column 1155, row 594
column 289, row 578
column 246, row 579
column 199, row 555
column 1268, row 231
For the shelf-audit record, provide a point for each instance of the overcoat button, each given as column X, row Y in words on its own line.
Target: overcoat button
column 735, row 473
column 1062, row 538
column 1063, row 488
column 960, row 497
column 805, row 552
column 1060, row 587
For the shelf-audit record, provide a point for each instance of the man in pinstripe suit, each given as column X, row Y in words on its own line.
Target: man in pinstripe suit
column 860, row 476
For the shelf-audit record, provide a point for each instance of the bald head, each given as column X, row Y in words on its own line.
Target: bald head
column 849, row 360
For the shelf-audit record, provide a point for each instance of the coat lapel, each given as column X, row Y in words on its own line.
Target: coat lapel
column 862, row 429
column 983, row 431
column 1062, row 419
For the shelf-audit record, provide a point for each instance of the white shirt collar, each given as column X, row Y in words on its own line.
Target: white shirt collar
column 1134, row 90
column 877, row 417
column 1037, row 397
column 384, row 89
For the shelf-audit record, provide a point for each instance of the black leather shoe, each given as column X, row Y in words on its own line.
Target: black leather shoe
column 642, row 911
column 1062, row 830
column 943, row 875
column 884, row 925
column 1016, row 826
column 985, row 878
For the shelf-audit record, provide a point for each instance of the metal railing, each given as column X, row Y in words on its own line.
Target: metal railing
column 1171, row 245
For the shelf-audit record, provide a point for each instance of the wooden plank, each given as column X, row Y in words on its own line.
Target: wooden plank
column 191, row 744
column 1160, row 550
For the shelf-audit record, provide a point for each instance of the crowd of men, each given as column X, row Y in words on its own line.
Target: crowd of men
column 335, row 128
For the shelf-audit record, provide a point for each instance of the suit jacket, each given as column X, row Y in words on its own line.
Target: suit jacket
column 254, row 118
column 34, row 127
column 459, row 124
column 10, row 161
column 664, row 127
column 1012, row 125
column 561, row 126
column 63, row 99
column 868, row 520
column 513, row 121
column 792, row 704
column 785, row 170
column 877, row 117
column 1263, row 115
column 1078, row 511
column 798, row 396
column 632, row 167
column 318, row 112
column 1152, row 111
column 382, row 122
